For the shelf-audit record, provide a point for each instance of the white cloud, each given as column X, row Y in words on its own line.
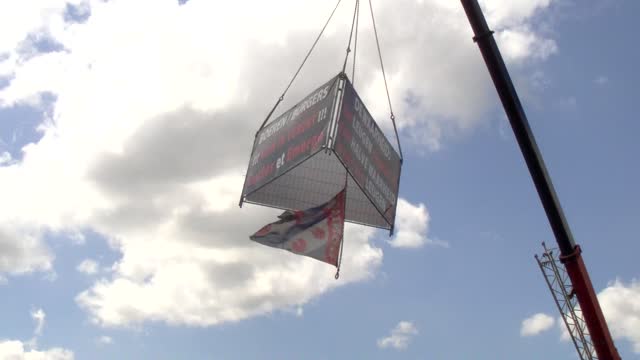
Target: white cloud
column 446, row 97
column 39, row 317
column 503, row 13
column 24, row 18
column 18, row 350
column 620, row 304
column 104, row 340
column 564, row 333
column 412, row 225
column 536, row 324
column 519, row 45
column 149, row 286
column 88, row 266
column 15, row 350
column 5, row 158
column 569, row 103
column 601, row 80
column 77, row 238
column 400, row 336
column 137, row 146
column 22, row 251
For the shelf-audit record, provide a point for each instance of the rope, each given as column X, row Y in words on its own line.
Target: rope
column 393, row 117
column 346, row 178
column 355, row 45
column 353, row 21
column 340, row 256
column 299, row 68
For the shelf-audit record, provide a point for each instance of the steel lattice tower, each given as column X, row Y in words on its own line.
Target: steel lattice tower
column 560, row 286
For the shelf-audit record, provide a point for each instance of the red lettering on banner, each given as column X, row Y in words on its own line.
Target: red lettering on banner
column 268, row 151
column 304, row 147
column 345, row 132
column 355, row 168
column 265, row 171
column 358, row 173
column 347, row 115
column 319, row 141
column 300, row 128
column 346, row 156
column 381, row 166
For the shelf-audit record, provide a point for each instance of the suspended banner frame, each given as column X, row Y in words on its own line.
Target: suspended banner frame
column 278, row 148
column 301, row 158
column 367, row 154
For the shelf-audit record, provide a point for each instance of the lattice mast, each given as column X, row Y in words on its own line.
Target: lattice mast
column 565, row 298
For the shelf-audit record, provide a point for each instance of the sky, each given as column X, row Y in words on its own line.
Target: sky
column 125, row 130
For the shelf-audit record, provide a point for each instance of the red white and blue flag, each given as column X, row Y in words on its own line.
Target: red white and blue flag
column 315, row 232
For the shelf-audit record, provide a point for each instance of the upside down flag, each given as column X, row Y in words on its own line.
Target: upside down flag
column 315, row 232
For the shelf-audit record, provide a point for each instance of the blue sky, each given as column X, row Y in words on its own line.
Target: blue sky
column 126, row 145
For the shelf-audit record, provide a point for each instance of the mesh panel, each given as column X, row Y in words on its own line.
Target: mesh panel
column 313, row 182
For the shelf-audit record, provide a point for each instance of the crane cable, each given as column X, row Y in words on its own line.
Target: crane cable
column 392, row 116
column 299, row 68
column 355, row 46
column 353, row 22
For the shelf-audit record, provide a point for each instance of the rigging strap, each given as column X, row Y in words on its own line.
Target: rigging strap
column 355, row 45
column 299, row 68
column 353, row 22
column 384, row 77
column 341, row 249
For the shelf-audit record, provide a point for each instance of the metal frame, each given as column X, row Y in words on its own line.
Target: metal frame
column 559, row 284
column 329, row 147
column 344, row 80
column 325, row 146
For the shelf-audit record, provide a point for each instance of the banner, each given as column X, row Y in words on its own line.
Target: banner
column 292, row 137
column 315, row 232
column 367, row 154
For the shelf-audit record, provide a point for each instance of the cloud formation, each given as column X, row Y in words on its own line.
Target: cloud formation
column 39, row 317
column 620, row 304
column 5, row 158
column 536, row 324
column 15, row 350
column 88, row 266
column 400, row 336
column 412, row 226
column 18, row 350
column 104, row 340
column 151, row 124
column 21, row 250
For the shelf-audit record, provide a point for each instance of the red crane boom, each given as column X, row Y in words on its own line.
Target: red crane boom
column 570, row 252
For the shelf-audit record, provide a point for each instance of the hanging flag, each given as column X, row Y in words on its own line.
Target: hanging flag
column 315, row 232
